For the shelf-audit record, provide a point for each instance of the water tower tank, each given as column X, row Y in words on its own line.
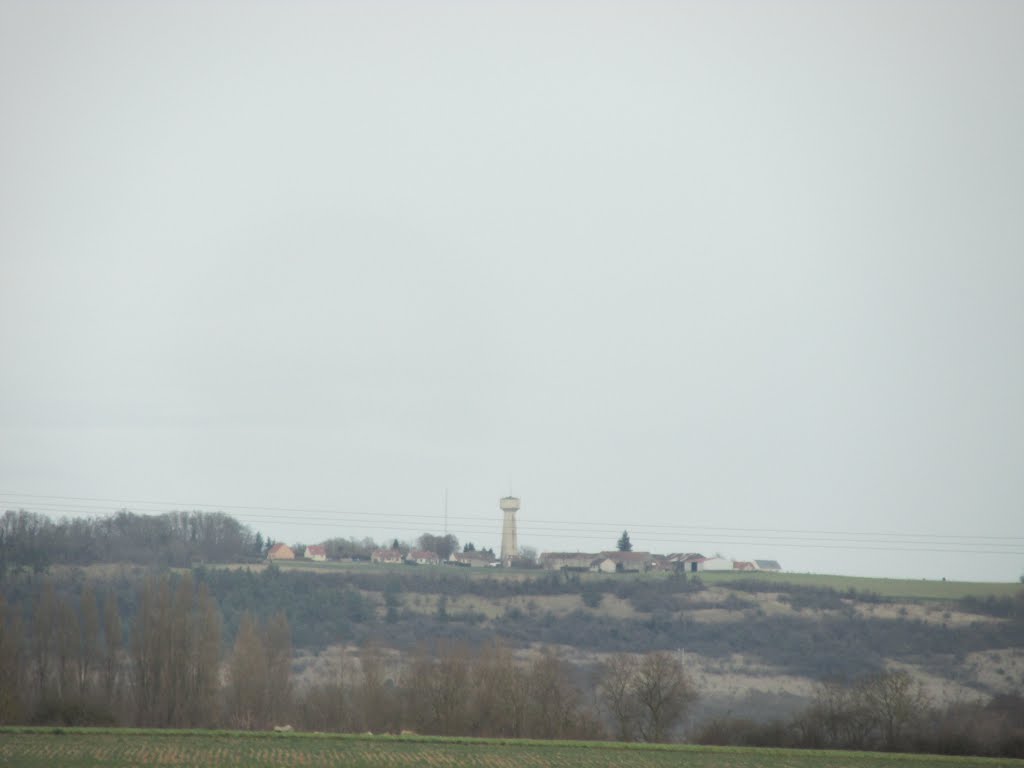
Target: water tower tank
column 510, row 503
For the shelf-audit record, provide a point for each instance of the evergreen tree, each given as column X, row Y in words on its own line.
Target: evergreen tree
column 624, row 544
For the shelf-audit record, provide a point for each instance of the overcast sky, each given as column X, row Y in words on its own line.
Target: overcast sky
column 729, row 275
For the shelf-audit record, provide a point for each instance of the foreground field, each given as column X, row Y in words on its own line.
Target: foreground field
column 192, row 749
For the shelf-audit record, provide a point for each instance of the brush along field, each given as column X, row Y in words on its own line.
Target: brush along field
column 116, row 748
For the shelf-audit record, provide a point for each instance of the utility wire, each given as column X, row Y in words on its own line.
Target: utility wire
column 332, row 514
column 698, row 535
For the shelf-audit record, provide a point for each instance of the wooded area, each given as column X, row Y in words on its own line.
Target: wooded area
column 214, row 646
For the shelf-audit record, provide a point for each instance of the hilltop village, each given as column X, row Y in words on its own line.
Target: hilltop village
column 443, row 550
column 610, row 561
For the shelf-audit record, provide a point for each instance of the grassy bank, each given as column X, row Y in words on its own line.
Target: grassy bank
column 117, row 748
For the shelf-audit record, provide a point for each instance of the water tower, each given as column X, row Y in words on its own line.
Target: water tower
column 509, row 541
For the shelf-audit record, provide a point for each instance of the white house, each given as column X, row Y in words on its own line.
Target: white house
column 387, row 556
column 422, row 557
column 315, row 552
column 715, row 564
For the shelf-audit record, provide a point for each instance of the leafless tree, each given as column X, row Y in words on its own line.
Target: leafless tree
column 664, row 693
column 499, row 693
column 111, row 648
column 893, row 700
column 44, row 625
column 438, row 690
column 278, row 645
column 616, row 690
column 89, row 652
column 554, row 699
column 248, row 693
column 374, row 693
column 12, row 675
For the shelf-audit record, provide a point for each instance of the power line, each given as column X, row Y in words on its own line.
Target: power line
column 409, row 523
column 652, row 528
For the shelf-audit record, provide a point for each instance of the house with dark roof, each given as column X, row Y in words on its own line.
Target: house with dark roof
column 768, row 565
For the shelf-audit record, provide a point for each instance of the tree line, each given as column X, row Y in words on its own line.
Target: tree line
column 77, row 662
column 885, row 711
column 33, row 542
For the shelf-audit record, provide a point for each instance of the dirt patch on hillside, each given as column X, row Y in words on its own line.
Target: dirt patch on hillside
column 999, row 671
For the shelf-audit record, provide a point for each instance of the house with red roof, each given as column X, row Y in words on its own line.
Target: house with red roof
column 315, row 552
column 422, row 557
column 386, row 556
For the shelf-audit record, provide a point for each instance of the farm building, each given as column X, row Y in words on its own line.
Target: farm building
column 557, row 561
column 315, row 552
column 280, row 552
column 613, row 562
column 768, row 565
column 685, row 561
column 743, row 565
column 715, row 564
column 474, row 559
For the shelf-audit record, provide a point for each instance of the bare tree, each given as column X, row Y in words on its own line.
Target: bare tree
column 278, row 645
column 90, row 652
column 44, row 626
column 247, row 678
column 616, row 690
column 206, row 686
column 69, row 639
column 499, row 694
column 554, row 699
column 893, row 701
column 111, row 647
column 150, row 669
column 374, row 693
column 12, row 676
column 175, row 654
column 664, row 693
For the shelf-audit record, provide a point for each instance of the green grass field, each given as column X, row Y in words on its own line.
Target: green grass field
column 910, row 589
column 112, row 748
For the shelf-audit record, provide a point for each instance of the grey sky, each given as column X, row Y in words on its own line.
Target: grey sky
column 728, row 265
